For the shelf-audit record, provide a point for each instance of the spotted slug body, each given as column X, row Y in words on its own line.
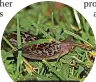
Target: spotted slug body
column 25, row 37
column 46, row 51
column 40, row 51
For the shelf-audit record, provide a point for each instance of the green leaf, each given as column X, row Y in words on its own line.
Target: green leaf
column 40, row 41
column 8, row 43
column 80, row 70
column 53, row 70
column 78, row 37
column 5, row 55
column 41, row 30
column 19, row 58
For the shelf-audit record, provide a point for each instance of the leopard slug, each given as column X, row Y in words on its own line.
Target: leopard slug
column 46, row 51
column 25, row 37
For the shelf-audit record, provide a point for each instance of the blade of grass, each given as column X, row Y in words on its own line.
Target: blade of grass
column 76, row 36
column 45, row 33
column 39, row 19
column 80, row 62
column 29, row 67
column 8, row 43
column 19, row 58
column 52, row 18
column 77, row 18
column 52, row 69
column 40, row 41
column 42, row 77
column 67, row 21
column 86, row 28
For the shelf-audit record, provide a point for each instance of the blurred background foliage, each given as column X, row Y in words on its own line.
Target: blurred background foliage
column 53, row 18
